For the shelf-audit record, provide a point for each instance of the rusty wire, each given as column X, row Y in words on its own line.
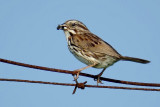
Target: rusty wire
column 82, row 74
column 80, row 85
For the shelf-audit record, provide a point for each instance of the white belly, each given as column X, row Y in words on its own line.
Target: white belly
column 106, row 63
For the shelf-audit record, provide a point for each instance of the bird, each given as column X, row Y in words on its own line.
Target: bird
column 91, row 49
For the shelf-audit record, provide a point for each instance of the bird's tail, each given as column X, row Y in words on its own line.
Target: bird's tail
column 126, row 58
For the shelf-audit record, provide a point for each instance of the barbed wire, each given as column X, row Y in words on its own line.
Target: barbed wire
column 82, row 74
column 79, row 85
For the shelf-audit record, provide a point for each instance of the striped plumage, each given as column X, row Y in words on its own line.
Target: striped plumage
column 89, row 48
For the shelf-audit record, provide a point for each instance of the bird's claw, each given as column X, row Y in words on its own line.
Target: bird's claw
column 97, row 78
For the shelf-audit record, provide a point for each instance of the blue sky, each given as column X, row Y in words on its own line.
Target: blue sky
column 28, row 34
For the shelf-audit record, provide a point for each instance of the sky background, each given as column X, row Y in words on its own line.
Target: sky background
column 28, row 34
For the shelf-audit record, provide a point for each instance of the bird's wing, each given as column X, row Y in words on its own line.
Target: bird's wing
column 94, row 44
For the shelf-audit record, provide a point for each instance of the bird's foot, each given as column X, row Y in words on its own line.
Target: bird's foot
column 76, row 72
column 97, row 78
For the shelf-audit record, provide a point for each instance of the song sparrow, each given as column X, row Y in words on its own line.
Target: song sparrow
column 90, row 49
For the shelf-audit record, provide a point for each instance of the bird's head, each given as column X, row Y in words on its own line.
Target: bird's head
column 72, row 26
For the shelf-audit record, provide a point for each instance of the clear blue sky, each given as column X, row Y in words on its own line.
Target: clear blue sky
column 28, row 34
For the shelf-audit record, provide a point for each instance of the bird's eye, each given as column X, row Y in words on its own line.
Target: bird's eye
column 73, row 24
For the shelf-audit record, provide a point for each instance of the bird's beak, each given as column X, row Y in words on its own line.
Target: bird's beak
column 61, row 27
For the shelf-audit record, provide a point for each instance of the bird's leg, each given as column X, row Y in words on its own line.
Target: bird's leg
column 99, row 75
column 79, row 70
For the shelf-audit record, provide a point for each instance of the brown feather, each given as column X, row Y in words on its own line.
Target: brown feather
column 126, row 58
column 93, row 43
